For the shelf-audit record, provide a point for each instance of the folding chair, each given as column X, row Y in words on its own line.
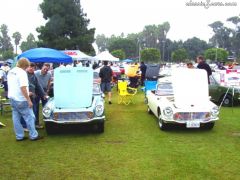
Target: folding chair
column 125, row 93
column 149, row 85
column 5, row 105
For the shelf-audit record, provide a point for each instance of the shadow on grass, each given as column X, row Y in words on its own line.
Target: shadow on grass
column 73, row 129
column 181, row 128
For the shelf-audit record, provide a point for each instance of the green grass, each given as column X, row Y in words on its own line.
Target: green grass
column 132, row 147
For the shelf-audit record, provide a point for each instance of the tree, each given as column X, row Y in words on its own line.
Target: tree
column 150, row 55
column 221, row 38
column 218, row 54
column 119, row 54
column 29, row 44
column 195, row 47
column 102, row 42
column 235, row 39
column 6, row 47
column 17, row 37
column 180, row 55
column 127, row 45
column 66, row 26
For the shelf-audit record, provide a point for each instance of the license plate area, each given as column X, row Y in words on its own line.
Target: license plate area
column 193, row 124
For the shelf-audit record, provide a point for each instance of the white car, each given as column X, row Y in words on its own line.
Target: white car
column 183, row 99
column 77, row 100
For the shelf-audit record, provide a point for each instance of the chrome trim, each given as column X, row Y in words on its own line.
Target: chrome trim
column 75, row 122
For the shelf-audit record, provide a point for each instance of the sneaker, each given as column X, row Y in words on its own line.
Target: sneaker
column 109, row 102
column 37, row 138
column 25, row 129
column 39, row 126
column 24, row 138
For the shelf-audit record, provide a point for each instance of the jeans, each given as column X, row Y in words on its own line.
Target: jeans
column 34, row 111
column 37, row 102
column 21, row 109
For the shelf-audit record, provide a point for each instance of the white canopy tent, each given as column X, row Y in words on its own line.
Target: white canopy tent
column 78, row 55
column 106, row 56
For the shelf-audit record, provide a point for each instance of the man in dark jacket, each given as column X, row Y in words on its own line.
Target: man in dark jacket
column 106, row 77
column 35, row 89
column 203, row 65
column 143, row 69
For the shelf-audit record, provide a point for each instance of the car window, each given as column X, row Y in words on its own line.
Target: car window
column 164, row 89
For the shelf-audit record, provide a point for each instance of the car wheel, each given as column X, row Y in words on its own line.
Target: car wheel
column 227, row 101
column 50, row 128
column 149, row 111
column 209, row 126
column 162, row 125
column 100, row 127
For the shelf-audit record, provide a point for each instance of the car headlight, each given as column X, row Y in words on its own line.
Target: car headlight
column 99, row 110
column 47, row 112
column 48, row 109
column 215, row 111
column 168, row 111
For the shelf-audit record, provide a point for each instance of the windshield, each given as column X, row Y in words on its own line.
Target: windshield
column 164, row 89
column 96, row 88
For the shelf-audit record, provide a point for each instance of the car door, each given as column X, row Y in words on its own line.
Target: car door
column 215, row 91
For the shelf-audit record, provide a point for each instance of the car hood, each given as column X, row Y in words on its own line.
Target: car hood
column 190, row 87
column 73, row 87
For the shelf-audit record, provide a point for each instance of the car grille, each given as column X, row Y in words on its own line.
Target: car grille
column 72, row 116
column 185, row 116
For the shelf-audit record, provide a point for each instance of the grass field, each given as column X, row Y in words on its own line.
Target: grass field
column 132, row 147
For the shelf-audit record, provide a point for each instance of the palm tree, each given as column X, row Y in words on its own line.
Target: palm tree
column 17, row 37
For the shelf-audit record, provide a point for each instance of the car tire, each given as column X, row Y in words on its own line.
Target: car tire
column 149, row 111
column 209, row 126
column 100, row 127
column 227, row 102
column 162, row 125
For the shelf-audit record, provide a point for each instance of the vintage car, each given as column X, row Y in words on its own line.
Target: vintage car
column 77, row 100
column 183, row 99
column 226, row 95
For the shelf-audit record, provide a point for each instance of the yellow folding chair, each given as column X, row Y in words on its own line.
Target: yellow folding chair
column 125, row 93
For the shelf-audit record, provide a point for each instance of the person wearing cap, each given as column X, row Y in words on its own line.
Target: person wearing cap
column 18, row 93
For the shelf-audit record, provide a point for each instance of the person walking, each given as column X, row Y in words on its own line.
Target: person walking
column 44, row 78
column 106, row 77
column 18, row 93
column 203, row 65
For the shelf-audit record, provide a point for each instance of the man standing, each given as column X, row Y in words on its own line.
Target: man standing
column 143, row 69
column 21, row 103
column 203, row 65
column 35, row 89
column 106, row 77
column 44, row 79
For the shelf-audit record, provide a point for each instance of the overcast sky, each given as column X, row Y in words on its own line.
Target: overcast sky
column 128, row 16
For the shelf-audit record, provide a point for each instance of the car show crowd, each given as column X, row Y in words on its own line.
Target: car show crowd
column 28, row 85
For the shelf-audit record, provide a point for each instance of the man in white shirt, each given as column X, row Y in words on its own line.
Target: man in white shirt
column 21, row 103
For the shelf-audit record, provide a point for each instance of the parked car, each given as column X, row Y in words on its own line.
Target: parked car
column 227, row 95
column 77, row 100
column 183, row 99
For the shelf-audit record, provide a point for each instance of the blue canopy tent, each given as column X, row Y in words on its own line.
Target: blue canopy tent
column 127, row 60
column 45, row 55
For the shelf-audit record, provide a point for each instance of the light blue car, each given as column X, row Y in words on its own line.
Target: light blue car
column 77, row 100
